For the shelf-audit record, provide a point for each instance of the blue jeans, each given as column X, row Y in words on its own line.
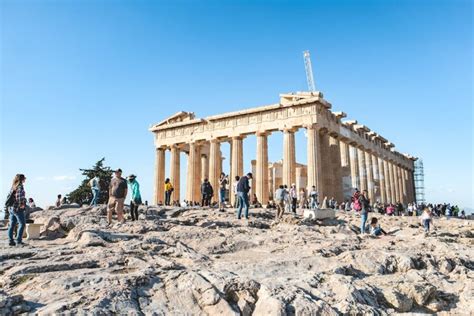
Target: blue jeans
column 426, row 224
column 222, row 195
column 363, row 218
column 95, row 196
column 16, row 217
column 243, row 199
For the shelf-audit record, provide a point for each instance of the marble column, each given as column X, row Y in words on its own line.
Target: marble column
column 362, row 170
column 159, row 194
column 400, row 184
column 336, row 176
column 370, row 176
column 393, row 190
column 204, row 167
column 346, row 171
column 289, row 157
column 215, row 165
column 388, row 186
column 193, row 177
column 404, row 186
column 252, row 182
column 313, row 149
column 175, row 173
column 237, row 163
column 376, row 173
column 383, row 193
column 354, row 167
column 261, row 174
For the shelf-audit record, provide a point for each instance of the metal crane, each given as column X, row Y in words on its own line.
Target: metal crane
column 309, row 71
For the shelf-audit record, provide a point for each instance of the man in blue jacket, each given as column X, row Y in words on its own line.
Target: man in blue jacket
column 243, row 189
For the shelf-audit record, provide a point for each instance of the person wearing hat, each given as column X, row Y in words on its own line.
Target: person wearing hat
column 117, row 193
column 136, row 197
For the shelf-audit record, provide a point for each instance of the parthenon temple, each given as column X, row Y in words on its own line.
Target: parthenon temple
column 341, row 155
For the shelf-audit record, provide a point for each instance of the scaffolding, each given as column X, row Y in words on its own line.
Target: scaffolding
column 419, row 182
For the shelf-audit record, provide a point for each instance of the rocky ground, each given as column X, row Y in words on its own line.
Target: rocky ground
column 194, row 261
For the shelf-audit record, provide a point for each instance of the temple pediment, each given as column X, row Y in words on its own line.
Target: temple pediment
column 179, row 117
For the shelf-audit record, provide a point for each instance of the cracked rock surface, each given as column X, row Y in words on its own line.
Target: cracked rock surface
column 176, row 261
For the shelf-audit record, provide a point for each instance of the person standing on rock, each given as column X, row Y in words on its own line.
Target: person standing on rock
column 17, row 206
column 364, row 210
column 206, row 193
column 117, row 193
column 234, row 187
column 314, row 197
column 222, row 188
column 168, row 191
column 58, row 201
column 427, row 219
column 94, row 183
column 136, row 196
column 280, row 197
column 243, row 189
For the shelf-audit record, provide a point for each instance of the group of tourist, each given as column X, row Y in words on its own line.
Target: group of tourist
column 284, row 199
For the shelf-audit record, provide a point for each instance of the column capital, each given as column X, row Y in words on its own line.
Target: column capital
column 312, row 126
column 262, row 133
column 289, row 129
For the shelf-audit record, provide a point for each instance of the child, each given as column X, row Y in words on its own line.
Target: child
column 427, row 219
column 375, row 229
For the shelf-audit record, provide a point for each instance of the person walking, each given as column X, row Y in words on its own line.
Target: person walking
column 117, row 193
column 293, row 198
column 16, row 203
column 234, row 187
column 168, row 191
column 427, row 219
column 243, row 189
column 364, row 210
column 94, row 183
column 302, row 198
column 136, row 200
column 222, row 187
column 280, row 197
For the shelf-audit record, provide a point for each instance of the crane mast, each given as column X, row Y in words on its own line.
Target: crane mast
column 309, row 71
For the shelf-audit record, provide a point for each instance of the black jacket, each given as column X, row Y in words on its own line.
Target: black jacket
column 206, row 189
column 243, row 185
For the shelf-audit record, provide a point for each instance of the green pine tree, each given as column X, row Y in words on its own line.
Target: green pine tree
column 83, row 194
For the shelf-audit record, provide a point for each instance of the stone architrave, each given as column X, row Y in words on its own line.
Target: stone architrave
column 383, row 193
column 354, row 168
column 261, row 172
column 289, row 157
column 159, row 194
column 175, row 173
column 346, row 171
column 362, row 170
column 215, row 164
column 370, row 176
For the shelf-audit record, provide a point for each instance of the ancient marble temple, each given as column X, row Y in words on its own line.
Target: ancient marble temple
column 341, row 155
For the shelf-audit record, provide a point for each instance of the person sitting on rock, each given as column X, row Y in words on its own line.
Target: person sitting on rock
column 375, row 229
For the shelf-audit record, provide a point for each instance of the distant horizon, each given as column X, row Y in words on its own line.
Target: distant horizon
column 84, row 80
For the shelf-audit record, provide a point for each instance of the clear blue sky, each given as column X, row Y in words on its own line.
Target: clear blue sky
column 82, row 80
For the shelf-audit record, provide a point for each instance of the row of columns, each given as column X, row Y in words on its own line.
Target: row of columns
column 335, row 167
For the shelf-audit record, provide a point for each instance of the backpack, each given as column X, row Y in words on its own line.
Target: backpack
column 357, row 205
column 11, row 199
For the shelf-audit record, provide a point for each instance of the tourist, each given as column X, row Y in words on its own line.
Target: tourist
column 136, row 200
column 168, row 191
column 314, row 197
column 94, row 183
column 234, row 189
column 375, row 229
column 427, row 219
column 364, row 209
column 255, row 203
column 303, row 198
column 222, row 188
column 206, row 193
column 117, row 193
column 31, row 203
column 390, row 210
column 324, row 205
column 280, row 197
column 332, row 203
column 58, row 201
column 463, row 214
column 16, row 203
column 347, row 206
column 287, row 198
column 243, row 189
column 293, row 198
column 355, row 199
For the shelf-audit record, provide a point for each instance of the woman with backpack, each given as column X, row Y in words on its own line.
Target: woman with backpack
column 16, row 203
column 168, row 190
